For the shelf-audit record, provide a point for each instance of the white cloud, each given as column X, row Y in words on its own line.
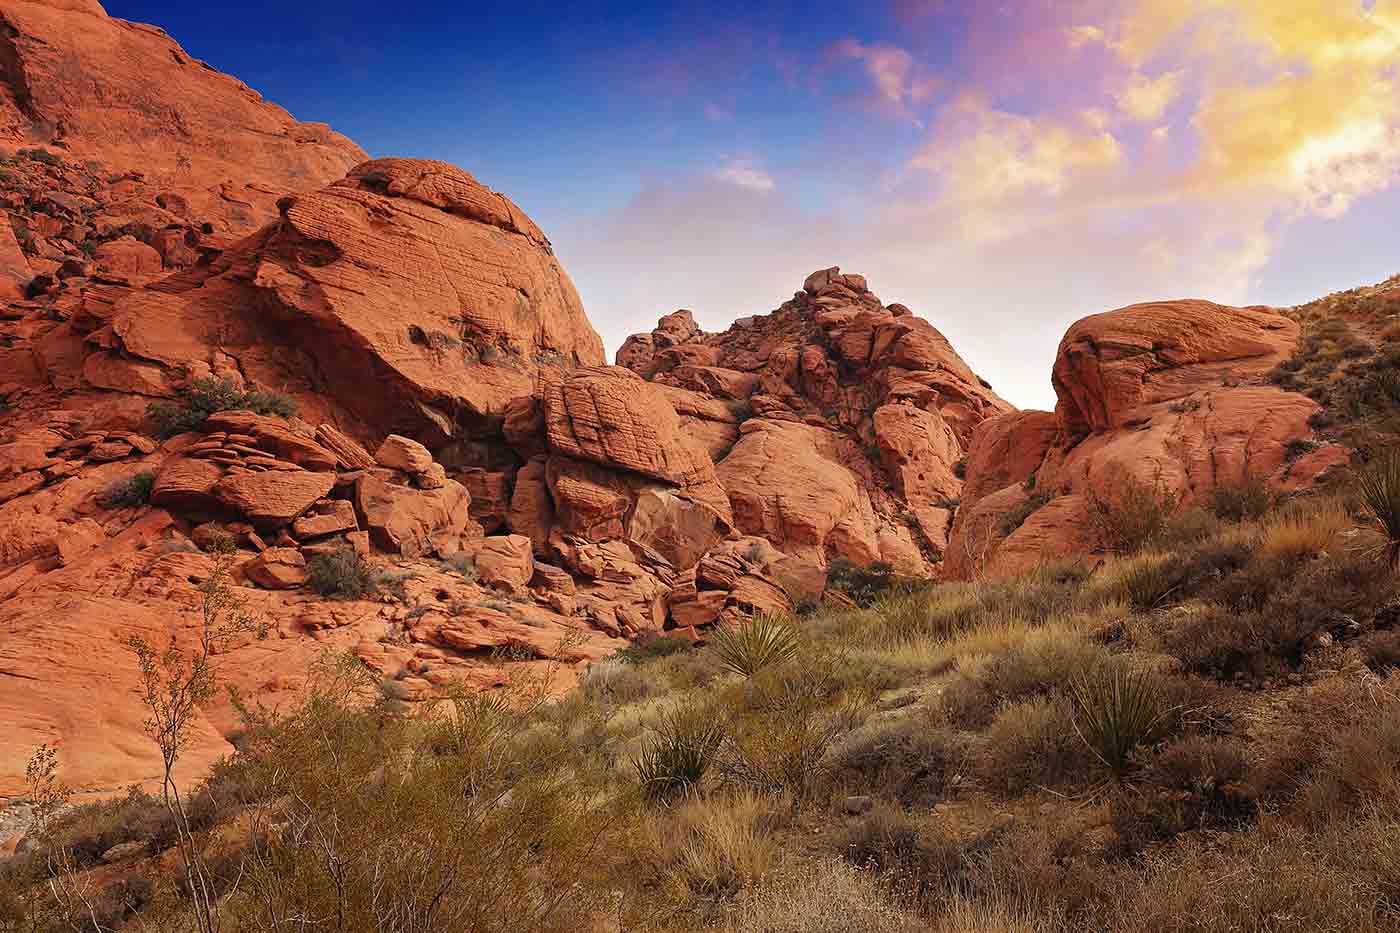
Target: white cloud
column 746, row 174
column 1146, row 99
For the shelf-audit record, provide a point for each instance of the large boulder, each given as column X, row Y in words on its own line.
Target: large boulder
column 275, row 497
column 411, row 522
column 610, row 416
column 1110, row 364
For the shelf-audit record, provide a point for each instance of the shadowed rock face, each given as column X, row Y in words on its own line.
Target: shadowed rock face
column 1167, row 395
column 127, row 96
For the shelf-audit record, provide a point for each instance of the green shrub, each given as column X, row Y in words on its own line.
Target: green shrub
column 134, row 490
column 675, row 756
column 660, row 646
column 749, row 647
column 1117, row 709
column 1379, row 488
column 867, row 585
column 341, row 575
column 195, row 402
column 42, row 156
column 1015, row 517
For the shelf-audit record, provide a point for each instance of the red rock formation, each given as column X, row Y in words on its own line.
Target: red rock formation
column 835, row 422
column 127, row 96
column 1166, row 395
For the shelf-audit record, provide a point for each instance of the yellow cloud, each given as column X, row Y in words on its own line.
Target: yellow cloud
column 986, row 155
column 1146, row 99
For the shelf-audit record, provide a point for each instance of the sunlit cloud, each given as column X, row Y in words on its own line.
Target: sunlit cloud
column 899, row 83
column 745, row 174
column 1083, row 154
column 1146, row 99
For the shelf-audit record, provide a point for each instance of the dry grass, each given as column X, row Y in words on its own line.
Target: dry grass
column 1299, row 533
column 712, row 848
column 1268, row 805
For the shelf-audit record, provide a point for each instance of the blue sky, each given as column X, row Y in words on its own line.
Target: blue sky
column 1003, row 167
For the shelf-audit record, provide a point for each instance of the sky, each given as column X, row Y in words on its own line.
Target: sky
column 1002, row 168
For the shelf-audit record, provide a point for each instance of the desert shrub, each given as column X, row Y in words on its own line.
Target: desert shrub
column 1381, row 650
column 1333, row 751
column 1145, row 581
column 828, row 896
column 613, row 681
column 134, row 490
column 1333, row 748
column 783, row 722
column 907, row 760
column 1130, row 514
column 1016, row 516
column 1284, row 878
column 341, row 575
column 867, row 585
column 40, row 155
column 507, row 828
column 675, row 757
column 886, row 841
column 658, row 646
column 1117, row 710
column 1033, row 743
column 1379, row 490
column 89, row 830
column 195, row 402
column 713, row 847
column 1038, row 666
column 1197, row 783
column 1247, row 500
column 751, row 646
column 1303, row 531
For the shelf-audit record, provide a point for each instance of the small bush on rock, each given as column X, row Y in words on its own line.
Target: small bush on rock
column 197, row 401
column 133, row 491
column 341, row 575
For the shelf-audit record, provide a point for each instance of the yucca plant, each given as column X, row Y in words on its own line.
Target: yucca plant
column 675, row 756
column 1116, row 709
column 751, row 646
column 1379, row 486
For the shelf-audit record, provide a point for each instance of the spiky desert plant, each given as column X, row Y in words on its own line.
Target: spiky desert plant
column 675, row 756
column 751, row 646
column 1379, row 487
column 1116, row 709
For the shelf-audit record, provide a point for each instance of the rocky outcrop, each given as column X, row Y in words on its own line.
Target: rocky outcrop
column 128, row 96
column 835, row 422
column 1167, row 396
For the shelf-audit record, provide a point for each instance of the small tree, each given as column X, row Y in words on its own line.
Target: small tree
column 174, row 683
